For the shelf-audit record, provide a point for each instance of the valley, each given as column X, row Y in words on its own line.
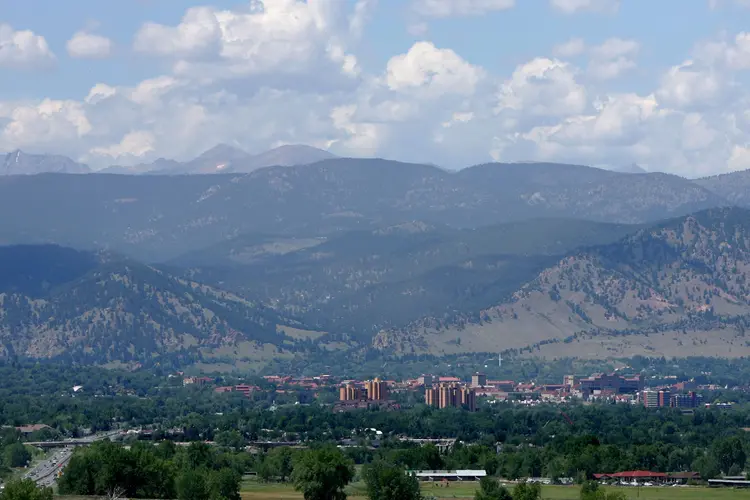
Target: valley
column 369, row 255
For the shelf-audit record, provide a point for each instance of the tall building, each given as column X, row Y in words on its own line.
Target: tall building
column 570, row 380
column 663, row 398
column 451, row 395
column 431, row 396
column 478, row 380
column 650, row 399
column 350, row 392
column 655, row 399
column 689, row 400
column 377, row 390
column 468, row 398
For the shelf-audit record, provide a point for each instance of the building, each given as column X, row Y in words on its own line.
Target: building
column 650, row 399
column 503, row 385
column 656, row 399
column 613, row 382
column 377, row 390
column 479, row 380
column 468, row 398
column 448, row 475
column 570, row 380
column 664, row 398
column 451, row 395
column 634, row 476
column 424, row 380
column 431, row 396
column 689, row 400
column 350, row 392
column 197, row 380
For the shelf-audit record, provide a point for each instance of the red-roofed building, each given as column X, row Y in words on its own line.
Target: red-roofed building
column 449, row 379
column 634, row 475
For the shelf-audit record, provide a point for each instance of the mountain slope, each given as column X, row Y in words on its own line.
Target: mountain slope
column 20, row 163
column 364, row 280
column 228, row 159
column 107, row 309
column 159, row 217
column 689, row 273
column 734, row 187
column 283, row 156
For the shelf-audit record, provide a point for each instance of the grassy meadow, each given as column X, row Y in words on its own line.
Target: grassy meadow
column 260, row 491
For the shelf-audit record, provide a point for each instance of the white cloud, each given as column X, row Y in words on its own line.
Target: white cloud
column 280, row 36
column 612, row 58
column 85, row 45
column 23, row 49
column 47, row 123
column 289, row 73
column 571, row 48
column 573, row 6
column 687, row 85
column 450, row 8
column 542, row 87
column 133, row 144
column 432, row 72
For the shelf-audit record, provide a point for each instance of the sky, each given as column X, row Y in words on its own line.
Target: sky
column 660, row 83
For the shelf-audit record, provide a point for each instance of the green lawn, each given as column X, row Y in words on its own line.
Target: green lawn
column 252, row 490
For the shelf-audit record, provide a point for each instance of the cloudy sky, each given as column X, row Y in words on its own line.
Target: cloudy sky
column 661, row 83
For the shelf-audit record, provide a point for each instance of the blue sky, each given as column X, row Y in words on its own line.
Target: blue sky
column 453, row 82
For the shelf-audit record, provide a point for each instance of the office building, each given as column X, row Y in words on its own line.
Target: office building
column 478, row 380
column 611, row 383
column 689, row 400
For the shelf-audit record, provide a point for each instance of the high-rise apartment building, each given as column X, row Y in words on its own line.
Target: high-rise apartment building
column 451, row 395
column 377, row 390
column 350, row 392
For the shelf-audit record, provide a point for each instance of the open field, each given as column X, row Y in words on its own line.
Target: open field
column 260, row 491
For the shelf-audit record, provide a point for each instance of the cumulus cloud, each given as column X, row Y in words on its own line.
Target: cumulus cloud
column 287, row 37
column 573, row 6
column 450, row 8
column 542, row 87
column 432, row 72
column 613, row 58
column 23, row 49
column 288, row 73
column 571, row 48
column 85, row 45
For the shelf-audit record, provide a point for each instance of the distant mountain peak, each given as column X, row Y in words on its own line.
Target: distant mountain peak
column 633, row 168
column 18, row 162
column 224, row 152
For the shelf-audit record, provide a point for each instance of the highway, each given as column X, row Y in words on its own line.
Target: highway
column 45, row 472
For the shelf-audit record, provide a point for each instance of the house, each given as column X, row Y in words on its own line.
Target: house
column 29, row 428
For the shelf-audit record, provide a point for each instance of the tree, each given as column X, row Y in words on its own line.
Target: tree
column 590, row 490
column 322, row 474
column 490, row 489
column 277, row 464
column 527, row 491
column 385, row 481
column 25, row 489
column 729, row 453
column 16, row 455
column 224, row 484
column 192, row 485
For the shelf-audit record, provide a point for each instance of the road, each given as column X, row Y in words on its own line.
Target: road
column 45, row 472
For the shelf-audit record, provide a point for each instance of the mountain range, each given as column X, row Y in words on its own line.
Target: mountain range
column 219, row 159
column 370, row 254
